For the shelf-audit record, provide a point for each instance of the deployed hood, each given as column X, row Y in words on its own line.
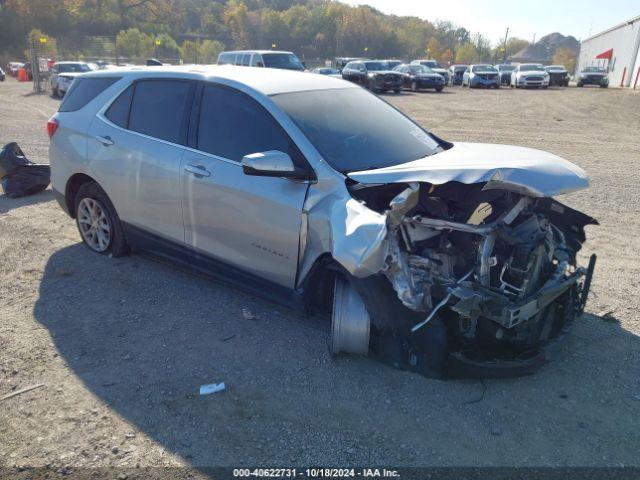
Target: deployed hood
column 525, row 170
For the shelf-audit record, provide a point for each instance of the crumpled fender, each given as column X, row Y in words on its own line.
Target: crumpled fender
column 354, row 235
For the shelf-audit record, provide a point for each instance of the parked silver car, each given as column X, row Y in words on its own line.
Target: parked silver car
column 481, row 76
column 63, row 74
column 442, row 258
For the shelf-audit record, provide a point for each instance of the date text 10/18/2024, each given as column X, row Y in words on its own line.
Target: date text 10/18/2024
column 315, row 473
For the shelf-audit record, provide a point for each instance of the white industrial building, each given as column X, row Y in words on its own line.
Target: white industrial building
column 616, row 49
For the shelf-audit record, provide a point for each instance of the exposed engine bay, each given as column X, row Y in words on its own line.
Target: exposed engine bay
column 484, row 278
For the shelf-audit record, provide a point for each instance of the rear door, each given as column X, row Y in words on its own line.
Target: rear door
column 136, row 145
column 249, row 222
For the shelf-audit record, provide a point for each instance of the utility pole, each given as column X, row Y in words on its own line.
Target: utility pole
column 504, row 47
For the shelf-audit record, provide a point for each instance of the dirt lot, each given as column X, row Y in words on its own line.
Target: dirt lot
column 122, row 345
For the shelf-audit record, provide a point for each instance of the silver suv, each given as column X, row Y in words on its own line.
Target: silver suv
column 432, row 256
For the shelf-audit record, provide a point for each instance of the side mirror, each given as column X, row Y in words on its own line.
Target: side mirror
column 272, row 163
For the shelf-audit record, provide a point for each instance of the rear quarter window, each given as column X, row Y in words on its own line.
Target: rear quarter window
column 118, row 112
column 83, row 90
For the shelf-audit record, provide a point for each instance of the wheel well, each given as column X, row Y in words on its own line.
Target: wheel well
column 73, row 185
column 317, row 286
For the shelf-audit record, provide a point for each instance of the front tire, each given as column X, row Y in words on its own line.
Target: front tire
column 98, row 222
column 439, row 89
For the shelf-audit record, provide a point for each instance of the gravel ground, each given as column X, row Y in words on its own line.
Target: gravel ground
column 122, row 345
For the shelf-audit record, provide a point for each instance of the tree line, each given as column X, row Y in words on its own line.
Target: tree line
column 200, row 29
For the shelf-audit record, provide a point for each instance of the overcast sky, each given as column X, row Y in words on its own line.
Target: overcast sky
column 579, row 18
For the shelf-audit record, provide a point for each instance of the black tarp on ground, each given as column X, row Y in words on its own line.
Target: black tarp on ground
column 18, row 175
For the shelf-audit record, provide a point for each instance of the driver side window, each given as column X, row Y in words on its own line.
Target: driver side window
column 233, row 125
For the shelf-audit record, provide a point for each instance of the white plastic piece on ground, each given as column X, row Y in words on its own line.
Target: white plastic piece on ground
column 212, row 388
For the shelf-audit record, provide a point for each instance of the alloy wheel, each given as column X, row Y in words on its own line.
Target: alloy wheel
column 95, row 226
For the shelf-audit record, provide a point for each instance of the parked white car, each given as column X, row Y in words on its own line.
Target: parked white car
column 63, row 73
column 530, row 75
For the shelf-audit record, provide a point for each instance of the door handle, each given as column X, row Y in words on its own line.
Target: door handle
column 197, row 170
column 106, row 140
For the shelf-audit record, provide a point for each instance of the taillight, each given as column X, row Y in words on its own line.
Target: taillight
column 52, row 126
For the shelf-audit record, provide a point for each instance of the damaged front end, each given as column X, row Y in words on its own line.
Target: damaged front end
column 482, row 277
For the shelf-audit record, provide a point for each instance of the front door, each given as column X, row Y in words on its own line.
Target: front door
column 249, row 222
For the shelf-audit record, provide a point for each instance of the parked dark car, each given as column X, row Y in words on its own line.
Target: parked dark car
column 455, row 74
column 417, row 77
column 593, row 76
column 433, row 65
column 341, row 62
column 393, row 63
column 558, row 75
column 374, row 75
column 505, row 73
column 2, row 75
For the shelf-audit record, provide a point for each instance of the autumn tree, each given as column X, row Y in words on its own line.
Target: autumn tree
column 565, row 56
column 466, row 53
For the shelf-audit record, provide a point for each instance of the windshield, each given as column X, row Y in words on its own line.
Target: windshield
column 482, row 68
column 506, row 68
column 555, row 68
column 530, row 67
column 73, row 67
column 376, row 66
column 430, row 63
column 594, row 69
column 459, row 68
column 419, row 69
column 355, row 130
column 282, row 60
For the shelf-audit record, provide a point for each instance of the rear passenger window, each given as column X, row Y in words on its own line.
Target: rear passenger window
column 118, row 112
column 246, row 59
column 233, row 125
column 83, row 90
column 158, row 108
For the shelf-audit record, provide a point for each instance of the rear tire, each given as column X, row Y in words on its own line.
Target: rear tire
column 98, row 222
column 439, row 89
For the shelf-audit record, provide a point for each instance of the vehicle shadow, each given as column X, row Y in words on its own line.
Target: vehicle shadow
column 7, row 204
column 143, row 336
